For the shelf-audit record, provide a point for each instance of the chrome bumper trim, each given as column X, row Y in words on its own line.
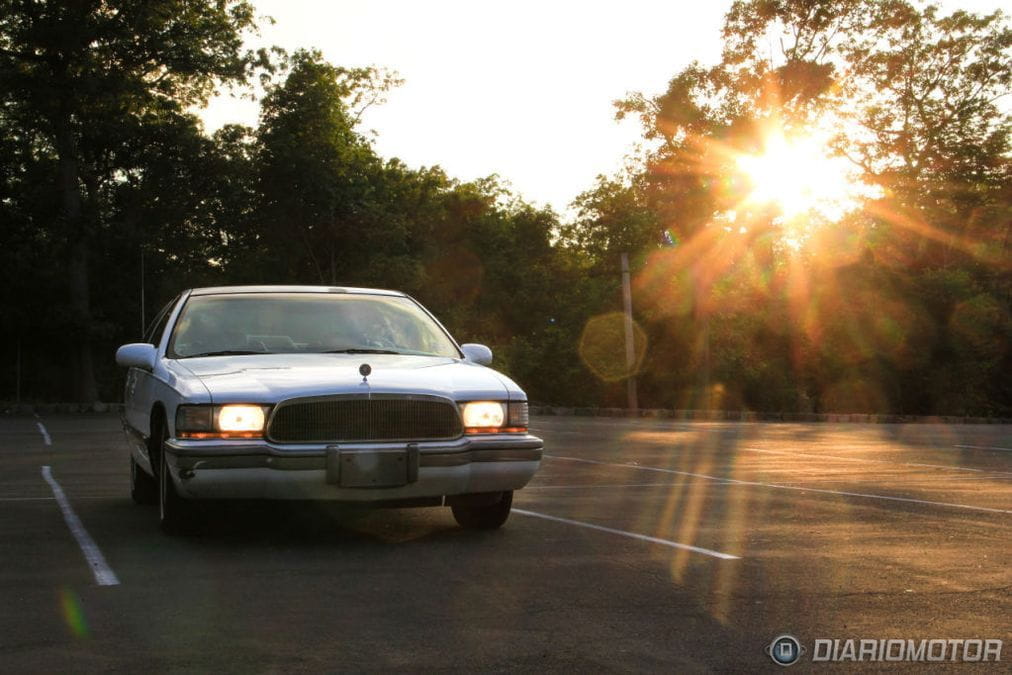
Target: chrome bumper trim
column 197, row 455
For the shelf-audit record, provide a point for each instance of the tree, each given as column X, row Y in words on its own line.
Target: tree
column 318, row 173
column 613, row 217
column 911, row 95
column 80, row 79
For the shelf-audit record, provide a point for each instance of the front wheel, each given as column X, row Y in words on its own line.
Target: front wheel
column 175, row 514
column 475, row 515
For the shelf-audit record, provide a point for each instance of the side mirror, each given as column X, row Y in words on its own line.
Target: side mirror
column 137, row 355
column 476, row 353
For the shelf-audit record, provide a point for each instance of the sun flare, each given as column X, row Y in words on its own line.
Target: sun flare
column 800, row 177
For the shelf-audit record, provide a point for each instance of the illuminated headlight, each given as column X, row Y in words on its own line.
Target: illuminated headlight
column 236, row 420
column 493, row 417
column 241, row 418
column 483, row 414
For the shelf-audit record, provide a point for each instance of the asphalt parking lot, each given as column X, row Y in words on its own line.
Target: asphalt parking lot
column 640, row 545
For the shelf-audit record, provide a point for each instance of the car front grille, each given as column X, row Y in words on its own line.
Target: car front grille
column 358, row 419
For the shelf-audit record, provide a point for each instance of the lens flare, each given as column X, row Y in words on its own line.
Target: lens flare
column 73, row 613
column 801, row 177
column 602, row 347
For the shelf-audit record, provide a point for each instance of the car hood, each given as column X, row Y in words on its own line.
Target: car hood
column 270, row 378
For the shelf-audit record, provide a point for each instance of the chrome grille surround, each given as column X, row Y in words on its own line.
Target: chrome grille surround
column 357, row 418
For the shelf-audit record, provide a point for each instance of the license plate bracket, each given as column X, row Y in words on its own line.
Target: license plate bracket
column 372, row 468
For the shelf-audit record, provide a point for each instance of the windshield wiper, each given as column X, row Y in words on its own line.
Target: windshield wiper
column 224, row 352
column 359, row 350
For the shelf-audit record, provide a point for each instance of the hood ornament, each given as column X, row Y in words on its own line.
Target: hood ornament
column 364, row 371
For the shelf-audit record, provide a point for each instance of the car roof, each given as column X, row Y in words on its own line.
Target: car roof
column 226, row 290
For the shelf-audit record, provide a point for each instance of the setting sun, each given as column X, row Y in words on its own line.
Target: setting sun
column 800, row 176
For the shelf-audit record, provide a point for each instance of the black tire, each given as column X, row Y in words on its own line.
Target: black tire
column 143, row 486
column 485, row 517
column 175, row 514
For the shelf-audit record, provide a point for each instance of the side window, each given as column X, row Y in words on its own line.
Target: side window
column 157, row 327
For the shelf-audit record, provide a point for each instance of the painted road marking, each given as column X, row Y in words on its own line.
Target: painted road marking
column 619, row 486
column 633, row 535
column 776, row 486
column 104, row 575
column 640, row 466
column 983, row 447
column 46, row 438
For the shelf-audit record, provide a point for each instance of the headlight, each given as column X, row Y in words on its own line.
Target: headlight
column 241, row 418
column 236, row 420
column 483, row 414
column 494, row 417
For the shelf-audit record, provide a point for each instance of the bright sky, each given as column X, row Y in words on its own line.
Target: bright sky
column 522, row 89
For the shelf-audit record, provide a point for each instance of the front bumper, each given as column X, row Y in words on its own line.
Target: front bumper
column 259, row 469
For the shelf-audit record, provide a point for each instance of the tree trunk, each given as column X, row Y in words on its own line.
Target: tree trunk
column 85, row 388
column 333, row 269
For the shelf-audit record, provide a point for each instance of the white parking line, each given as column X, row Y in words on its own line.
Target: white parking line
column 776, row 486
column 619, row 486
column 983, row 447
column 46, row 438
column 635, row 466
column 104, row 575
column 633, row 535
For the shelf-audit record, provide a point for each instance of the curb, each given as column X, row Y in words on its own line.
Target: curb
column 753, row 416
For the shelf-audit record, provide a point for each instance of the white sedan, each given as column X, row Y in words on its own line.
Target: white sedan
column 305, row 392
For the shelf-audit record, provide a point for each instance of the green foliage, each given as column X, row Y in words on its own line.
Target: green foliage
column 315, row 172
column 84, row 86
column 612, row 217
column 902, row 306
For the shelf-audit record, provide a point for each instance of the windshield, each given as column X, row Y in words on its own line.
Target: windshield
column 286, row 323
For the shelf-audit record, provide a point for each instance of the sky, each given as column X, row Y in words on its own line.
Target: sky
column 522, row 89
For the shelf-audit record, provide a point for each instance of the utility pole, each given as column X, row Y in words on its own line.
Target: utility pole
column 707, row 393
column 630, row 348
